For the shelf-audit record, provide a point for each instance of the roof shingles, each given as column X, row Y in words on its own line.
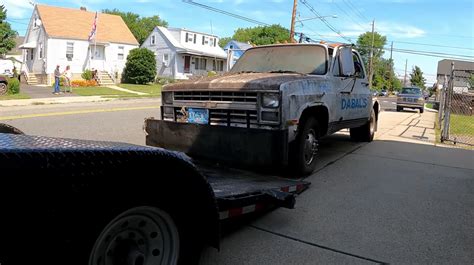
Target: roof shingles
column 67, row 23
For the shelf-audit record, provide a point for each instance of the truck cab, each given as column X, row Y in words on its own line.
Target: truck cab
column 271, row 109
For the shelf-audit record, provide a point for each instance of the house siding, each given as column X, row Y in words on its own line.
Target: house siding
column 161, row 46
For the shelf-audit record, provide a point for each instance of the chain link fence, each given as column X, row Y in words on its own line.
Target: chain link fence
column 456, row 110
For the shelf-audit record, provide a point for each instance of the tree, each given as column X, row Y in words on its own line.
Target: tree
column 140, row 67
column 7, row 35
column 140, row 27
column 223, row 41
column 364, row 43
column 416, row 77
column 262, row 35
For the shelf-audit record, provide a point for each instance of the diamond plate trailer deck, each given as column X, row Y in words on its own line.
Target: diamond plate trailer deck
column 73, row 188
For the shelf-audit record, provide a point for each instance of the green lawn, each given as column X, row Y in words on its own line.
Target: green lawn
column 462, row 125
column 152, row 89
column 15, row 96
column 98, row 91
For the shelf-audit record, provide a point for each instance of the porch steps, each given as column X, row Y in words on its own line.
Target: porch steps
column 105, row 79
column 31, row 79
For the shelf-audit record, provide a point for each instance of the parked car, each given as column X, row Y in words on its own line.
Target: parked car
column 384, row 93
column 411, row 97
column 6, row 68
column 3, row 85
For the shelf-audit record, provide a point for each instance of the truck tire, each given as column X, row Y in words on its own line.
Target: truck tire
column 3, row 89
column 422, row 110
column 141, row 235
column 399, row 109
column 5, row 128
column 307, row 142
column 366, row 132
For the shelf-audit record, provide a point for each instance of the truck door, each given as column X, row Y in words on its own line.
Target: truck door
column 352, row 97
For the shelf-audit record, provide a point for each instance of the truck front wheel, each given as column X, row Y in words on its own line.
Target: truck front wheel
column 141, row 235
column 366, row 132
column 307, row 143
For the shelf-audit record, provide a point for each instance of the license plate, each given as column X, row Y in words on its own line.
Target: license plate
column 199, row 116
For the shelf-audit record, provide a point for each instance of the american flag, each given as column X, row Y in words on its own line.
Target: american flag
column 94, row 29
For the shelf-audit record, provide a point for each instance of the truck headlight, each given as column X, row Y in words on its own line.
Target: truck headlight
column 271, row 100
column 167, row 97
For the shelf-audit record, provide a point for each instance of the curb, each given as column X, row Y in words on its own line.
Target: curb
column 48, row 101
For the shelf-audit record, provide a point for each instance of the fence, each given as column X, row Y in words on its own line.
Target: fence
column 456, row 111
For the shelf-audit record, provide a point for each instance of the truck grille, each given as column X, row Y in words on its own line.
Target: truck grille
column 244, row 97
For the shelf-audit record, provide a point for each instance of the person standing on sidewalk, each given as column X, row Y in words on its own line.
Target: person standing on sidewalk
column 57, row 76
column 68, row 75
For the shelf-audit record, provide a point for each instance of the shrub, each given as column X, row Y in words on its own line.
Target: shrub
column 87, row 75
column 83, row 83
column 140, row 67
column 164, row 80
column 13, row 86
column 211, row 73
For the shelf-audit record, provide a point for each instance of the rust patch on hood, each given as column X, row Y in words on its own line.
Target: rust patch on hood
column 238, row 82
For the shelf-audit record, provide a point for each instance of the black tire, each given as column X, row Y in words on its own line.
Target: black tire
column 3, row 89
column 5, row 128
column 306, row 147
column 422, row 110
column 399, row 109
column 137, row 236
column 366, row 132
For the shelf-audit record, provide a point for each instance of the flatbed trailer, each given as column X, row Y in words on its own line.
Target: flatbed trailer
column 88, row 201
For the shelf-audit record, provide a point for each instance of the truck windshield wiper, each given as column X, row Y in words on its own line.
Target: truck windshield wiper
column 285, row 72
column 245, row 72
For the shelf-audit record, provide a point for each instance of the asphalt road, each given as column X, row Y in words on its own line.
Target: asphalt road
column 389, row 201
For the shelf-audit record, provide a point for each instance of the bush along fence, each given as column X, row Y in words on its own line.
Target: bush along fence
column 456, row 111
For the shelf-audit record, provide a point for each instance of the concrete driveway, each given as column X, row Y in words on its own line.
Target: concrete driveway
column 399, row 199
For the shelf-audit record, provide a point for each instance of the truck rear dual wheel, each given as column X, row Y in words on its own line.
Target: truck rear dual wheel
column 307, row 144
column 366, row 132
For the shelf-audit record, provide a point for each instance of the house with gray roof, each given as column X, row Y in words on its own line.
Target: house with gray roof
column 182, row 53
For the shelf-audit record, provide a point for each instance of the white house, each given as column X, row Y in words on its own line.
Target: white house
column 59, row 36
column 181, row 53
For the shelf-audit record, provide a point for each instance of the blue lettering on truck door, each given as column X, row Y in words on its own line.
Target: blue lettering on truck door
column 354, row 103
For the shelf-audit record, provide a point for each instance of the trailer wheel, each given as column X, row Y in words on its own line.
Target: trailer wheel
column 366, row 132
column 307, row 143
column 139, row 236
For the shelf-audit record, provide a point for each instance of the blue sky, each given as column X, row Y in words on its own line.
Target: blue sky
column 405, row 22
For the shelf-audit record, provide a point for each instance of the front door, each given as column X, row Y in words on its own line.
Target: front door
column 187, row 64
column 98, row 57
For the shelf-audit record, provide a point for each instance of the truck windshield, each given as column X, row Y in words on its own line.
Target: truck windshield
column 305, row 59
column 411, row 90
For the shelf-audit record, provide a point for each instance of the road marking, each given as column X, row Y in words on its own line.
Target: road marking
column 51, row 114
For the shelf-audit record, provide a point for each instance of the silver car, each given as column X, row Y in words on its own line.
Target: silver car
column 411, row 97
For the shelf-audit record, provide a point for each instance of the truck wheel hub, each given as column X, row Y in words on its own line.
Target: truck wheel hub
column 140, row 236
column 310, row 147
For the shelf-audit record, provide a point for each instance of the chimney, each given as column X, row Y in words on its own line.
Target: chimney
column 83, row 8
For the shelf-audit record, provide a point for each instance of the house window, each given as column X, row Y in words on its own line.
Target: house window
column 120, row 54
column 166, row 58
column 153, row 39
column 189, row 37
column 200, row 63
column 40, row 51
column 69, row 50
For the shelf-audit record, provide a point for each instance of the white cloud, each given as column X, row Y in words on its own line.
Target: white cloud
column 18, row 8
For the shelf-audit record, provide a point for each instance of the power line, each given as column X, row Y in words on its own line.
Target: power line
column 226, row 13
column 348, row 15
column 434, row 45
column 356, row 10
column 331, row 27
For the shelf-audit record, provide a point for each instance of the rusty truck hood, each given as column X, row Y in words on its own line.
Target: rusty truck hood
column 238, row 82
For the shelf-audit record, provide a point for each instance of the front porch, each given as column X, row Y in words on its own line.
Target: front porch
column 189, row 65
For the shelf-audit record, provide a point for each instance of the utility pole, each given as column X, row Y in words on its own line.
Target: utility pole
column 371, row 55
column 405, row 78
column 391, row 69
column 293, row 18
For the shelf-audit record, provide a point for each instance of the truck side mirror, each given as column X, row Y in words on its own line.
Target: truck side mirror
column 346, row 62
